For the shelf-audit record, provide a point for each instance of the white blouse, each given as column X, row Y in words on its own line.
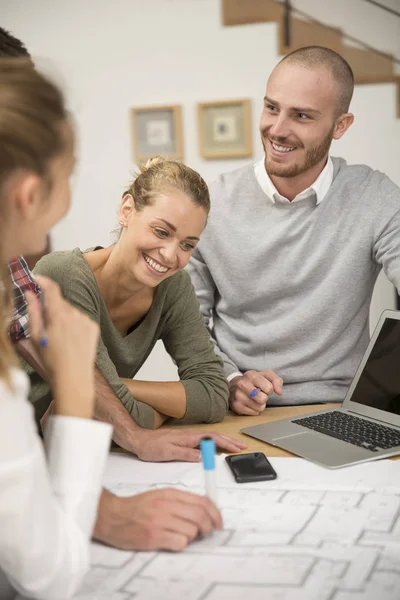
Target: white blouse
column 48, row 502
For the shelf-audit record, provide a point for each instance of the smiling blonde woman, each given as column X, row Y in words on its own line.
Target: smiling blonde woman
column 139, row 293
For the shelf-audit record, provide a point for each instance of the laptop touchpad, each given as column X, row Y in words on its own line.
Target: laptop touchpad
column 329, row 451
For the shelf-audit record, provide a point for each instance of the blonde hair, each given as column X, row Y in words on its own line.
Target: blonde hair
column 32, row 116
column 159, row 175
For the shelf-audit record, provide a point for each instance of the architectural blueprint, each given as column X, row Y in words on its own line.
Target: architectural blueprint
column 313, row 534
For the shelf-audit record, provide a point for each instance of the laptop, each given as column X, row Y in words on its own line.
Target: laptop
column 366, row 426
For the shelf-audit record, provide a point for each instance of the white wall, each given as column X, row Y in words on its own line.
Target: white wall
column 113, row 55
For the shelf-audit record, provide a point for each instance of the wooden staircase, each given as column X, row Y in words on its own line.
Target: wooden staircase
column 368, row 66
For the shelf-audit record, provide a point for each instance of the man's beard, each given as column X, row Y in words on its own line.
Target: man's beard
column 313, row 156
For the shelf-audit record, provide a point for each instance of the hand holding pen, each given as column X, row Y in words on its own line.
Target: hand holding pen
column 249, row 393
column 66, row 340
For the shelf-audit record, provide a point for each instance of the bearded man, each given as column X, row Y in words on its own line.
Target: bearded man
column 286, row 266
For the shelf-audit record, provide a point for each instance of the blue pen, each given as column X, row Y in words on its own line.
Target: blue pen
column 43, row 337
column 207, row 447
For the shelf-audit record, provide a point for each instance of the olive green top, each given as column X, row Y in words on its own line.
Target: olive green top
column 174, row 317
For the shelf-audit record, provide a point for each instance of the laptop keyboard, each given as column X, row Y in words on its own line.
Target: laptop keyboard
column 353, row 430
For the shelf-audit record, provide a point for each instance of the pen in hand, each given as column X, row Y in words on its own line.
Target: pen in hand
column 43, row 336
column 207, row 448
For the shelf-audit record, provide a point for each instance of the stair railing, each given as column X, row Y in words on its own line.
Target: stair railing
column 289, row 9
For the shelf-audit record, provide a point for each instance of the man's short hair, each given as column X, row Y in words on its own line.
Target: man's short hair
column 10, row 46
column 311, row 57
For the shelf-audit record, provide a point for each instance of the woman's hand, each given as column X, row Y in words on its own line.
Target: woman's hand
column 70, row 352
column 165, row 519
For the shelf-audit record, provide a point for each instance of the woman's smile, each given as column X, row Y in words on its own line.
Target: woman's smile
column 155, row 267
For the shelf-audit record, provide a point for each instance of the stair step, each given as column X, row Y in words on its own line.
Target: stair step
column 241, row 12
column 306, row 33
column 377, row 79
column 368, row 65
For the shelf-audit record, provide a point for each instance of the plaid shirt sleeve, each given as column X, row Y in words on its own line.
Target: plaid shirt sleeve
column 22, row 280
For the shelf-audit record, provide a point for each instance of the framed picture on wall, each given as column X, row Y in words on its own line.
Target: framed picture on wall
column 225, row 129
column 157, row 130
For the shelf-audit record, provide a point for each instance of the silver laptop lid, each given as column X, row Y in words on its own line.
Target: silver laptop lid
column 375, row 389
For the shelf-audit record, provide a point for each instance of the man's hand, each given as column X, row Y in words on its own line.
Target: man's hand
column 170, row 444
column 157, row 520
column 248, row 394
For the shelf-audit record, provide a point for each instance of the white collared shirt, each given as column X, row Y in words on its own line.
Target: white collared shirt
column 320, row 186
column 48, row 504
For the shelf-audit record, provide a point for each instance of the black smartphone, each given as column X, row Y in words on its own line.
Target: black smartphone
column 254, row 466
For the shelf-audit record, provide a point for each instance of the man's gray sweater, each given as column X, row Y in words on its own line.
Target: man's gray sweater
column 288, row 286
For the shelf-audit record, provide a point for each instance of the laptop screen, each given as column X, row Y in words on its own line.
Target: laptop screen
column 379, row 382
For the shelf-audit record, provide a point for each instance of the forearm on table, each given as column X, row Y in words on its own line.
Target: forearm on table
column 166, row 397
column 110, row 409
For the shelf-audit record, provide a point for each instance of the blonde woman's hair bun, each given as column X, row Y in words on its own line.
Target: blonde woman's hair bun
column 160, row 175
column 152, row 162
